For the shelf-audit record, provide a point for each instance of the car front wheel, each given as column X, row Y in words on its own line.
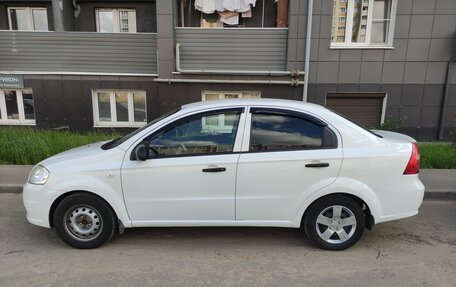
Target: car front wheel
column 334, row 222
column 84, row 221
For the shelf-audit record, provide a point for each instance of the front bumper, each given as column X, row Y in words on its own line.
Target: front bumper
column 37, row 202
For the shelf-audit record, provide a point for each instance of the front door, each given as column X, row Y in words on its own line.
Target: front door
column 190, row 174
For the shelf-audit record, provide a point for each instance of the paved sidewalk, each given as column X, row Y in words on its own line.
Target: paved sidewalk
column 440, row 183
column 13, row 177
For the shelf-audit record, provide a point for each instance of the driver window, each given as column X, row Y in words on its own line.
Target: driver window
column 207, row 133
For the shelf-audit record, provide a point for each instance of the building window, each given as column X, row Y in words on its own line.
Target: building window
column 116, row 20
column 16, row 107
column 28, row 18
column 221, row 122
column 363, row 23
column 119, row 108
column 218, row 95
column 233, row 14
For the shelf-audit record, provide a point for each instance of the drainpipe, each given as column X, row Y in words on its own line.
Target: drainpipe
column 64, row 12
column 243, row 72
column 57, row 14
column 308, row 47
column 446, row 93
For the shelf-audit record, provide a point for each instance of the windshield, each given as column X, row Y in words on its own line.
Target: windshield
column 118, row 141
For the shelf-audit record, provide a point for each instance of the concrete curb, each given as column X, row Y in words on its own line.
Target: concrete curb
column 442, row 194
column 11, row 188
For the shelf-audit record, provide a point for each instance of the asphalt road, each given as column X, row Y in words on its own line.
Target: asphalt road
column 418, row 251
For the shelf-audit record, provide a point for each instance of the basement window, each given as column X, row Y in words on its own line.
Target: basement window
column 219, row 95
column 224, row 122
column 17, row 107
column 119, row 108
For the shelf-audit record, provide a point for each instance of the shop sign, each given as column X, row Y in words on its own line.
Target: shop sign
column 12, row 81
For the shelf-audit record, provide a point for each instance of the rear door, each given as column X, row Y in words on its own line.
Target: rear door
column 287, row 156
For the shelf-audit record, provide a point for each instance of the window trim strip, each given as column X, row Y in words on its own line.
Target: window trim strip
column 284, row 112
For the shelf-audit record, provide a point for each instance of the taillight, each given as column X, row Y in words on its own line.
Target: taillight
column 413, row 166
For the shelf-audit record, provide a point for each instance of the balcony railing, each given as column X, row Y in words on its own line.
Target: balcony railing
column 232, row 49
column 78, row 52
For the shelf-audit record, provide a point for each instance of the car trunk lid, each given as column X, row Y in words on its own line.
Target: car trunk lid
column 394, row 137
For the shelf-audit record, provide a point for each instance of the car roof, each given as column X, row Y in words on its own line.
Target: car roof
column 255, row 101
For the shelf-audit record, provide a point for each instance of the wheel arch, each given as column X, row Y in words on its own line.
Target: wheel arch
column 59, row 199
column 369, row 219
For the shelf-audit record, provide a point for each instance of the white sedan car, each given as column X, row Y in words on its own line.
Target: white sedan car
column 252, row 162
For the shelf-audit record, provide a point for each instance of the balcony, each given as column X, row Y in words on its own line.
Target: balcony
column 259, row 49
column 78, row 52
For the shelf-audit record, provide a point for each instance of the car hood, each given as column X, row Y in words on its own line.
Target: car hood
column 75, row 153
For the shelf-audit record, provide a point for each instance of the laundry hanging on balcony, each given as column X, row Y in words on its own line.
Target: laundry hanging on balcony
column 228, row 10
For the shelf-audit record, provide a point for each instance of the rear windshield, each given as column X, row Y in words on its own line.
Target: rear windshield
column 120, row 140
column 357, row 124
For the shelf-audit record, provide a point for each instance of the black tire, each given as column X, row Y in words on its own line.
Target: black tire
column 97, row 221
column 326, row 207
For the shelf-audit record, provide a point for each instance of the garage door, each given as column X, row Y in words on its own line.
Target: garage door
column 363, row 108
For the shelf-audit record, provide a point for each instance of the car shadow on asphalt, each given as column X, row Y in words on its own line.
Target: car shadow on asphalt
column 214, row 235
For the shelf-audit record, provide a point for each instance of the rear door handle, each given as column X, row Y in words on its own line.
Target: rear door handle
column 317, row 165
column 214, row 169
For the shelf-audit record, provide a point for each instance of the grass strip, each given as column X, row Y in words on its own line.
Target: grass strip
column 26, row 145
column 438, row 155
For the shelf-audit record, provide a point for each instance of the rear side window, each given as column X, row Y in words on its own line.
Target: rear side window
column 274, row 131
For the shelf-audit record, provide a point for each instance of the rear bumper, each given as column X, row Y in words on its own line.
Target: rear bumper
column 397, row 216
column 402, row 200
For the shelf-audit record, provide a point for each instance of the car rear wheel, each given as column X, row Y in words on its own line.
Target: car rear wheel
column 334, row 222
column 84, row 221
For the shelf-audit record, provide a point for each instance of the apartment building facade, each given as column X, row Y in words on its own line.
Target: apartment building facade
column 87, row 64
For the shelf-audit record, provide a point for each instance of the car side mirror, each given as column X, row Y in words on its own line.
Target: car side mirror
column 141, row 151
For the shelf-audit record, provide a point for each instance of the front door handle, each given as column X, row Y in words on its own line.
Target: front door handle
column 214, row 169
column 317, row 165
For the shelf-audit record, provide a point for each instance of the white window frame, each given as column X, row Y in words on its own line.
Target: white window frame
column 112, row 102
column 20, row 107
column 116, row 18
column 221, row 95
column 30, row 24
column 367, row 45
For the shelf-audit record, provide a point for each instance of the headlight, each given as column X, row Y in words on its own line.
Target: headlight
column 38, row 175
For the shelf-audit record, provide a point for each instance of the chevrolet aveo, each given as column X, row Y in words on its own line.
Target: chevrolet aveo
column 252, row 162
